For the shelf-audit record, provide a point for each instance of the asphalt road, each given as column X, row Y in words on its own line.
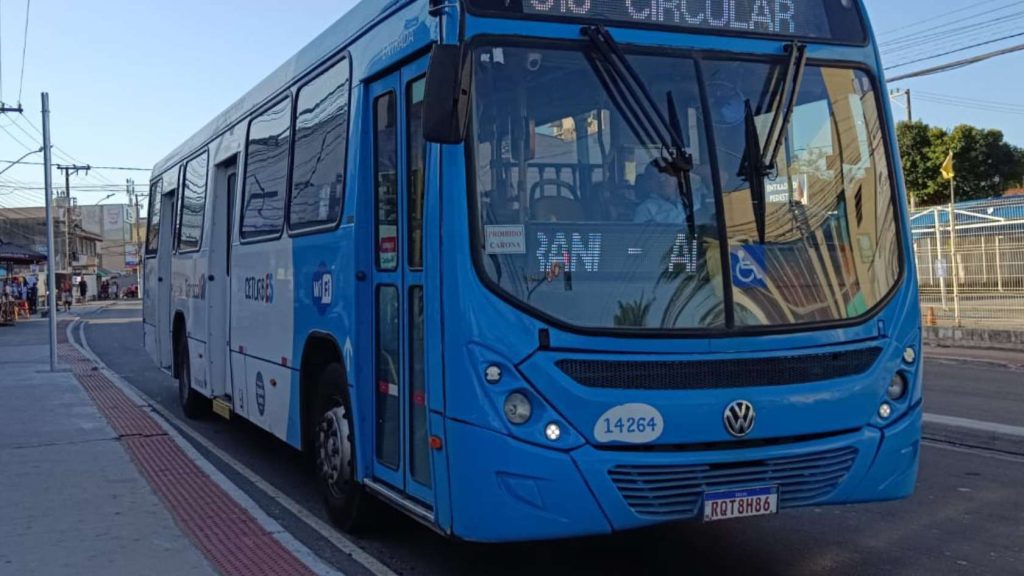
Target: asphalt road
column 976, row 390
column 967, row 516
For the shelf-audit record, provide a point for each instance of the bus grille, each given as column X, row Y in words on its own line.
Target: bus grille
column 676, row 492
column 718, row 374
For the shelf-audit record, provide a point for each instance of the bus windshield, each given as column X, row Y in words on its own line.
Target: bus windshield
column 579, row 219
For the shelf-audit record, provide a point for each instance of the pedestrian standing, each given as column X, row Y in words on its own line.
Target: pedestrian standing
column 83, row 289
column 114, row 290
column 66, row 296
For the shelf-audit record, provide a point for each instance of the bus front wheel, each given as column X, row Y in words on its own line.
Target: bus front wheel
column 347, row 501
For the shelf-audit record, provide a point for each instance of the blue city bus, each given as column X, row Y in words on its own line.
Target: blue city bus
column 536, row 269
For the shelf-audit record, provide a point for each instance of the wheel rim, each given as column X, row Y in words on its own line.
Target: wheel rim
column 334, row 451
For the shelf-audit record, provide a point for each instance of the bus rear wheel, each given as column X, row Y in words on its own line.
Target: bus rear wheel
column 193, row 405
column 347, row 502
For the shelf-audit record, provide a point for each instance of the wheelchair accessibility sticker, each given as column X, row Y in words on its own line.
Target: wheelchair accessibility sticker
column 748, row 266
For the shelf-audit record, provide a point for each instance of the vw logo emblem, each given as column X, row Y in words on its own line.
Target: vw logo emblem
column 739, row 418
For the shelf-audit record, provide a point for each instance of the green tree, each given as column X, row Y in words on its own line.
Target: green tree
column 986, row 165
column 918, row 144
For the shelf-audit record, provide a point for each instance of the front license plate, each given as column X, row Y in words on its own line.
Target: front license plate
column 741, row 503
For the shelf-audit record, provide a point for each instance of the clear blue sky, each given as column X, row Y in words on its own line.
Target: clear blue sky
column 129, row 79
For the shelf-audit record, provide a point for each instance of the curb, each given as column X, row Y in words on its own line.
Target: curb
column 230, row 531
column 974, row 434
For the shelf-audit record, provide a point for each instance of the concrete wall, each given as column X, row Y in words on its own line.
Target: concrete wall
column 975, row 338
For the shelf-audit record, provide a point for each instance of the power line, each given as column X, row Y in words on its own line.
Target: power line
column 64, row 154
column 60, row 151
column 947, row 53
column 966, row 100
column 119, row 168
column 954, row 27
column 956, row 38
column 939, row 17
column 957, row 65
column 15, row 138
column 24, row 48
column 959, row 104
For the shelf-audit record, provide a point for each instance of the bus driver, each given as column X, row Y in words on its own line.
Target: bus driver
column 663, row 203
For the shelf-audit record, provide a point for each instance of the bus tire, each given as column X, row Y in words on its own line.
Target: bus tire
column 193, row 404
column 348, row 503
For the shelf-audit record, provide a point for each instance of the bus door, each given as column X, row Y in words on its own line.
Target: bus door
column 401, row 379
column 164, row 344
column 218, row 287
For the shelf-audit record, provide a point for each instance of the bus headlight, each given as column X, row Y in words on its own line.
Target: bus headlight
column 553, row 432
column 898, row 387
column 517, row 408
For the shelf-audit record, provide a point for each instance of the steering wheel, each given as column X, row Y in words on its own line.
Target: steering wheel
column 541, row 184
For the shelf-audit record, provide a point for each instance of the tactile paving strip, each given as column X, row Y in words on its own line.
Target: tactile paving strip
column 125, row 417
column 226, row 533
column 222, row 529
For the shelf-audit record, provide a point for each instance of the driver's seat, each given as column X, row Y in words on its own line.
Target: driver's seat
column 557, row 209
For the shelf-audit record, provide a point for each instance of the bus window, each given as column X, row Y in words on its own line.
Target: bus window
column 153, row 234
column 321, row 134
column 266, row 173
column 389, row 377
column 386, row 179
column 417, row 160
column 419, row 448
column 193, row 205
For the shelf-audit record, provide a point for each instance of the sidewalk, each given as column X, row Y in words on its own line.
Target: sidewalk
column 71, row 500
column 92, row 483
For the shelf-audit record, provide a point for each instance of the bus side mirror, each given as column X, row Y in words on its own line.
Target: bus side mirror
column 446, row 99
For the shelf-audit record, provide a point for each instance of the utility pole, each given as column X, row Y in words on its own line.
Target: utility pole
column 953, row 256
column 905, row 94
column 896, row 93
column 133, row 234
column 51, row 272
column 68, row 172
column 139, row 238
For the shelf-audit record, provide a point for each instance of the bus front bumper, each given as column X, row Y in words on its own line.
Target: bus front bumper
column 504, row 490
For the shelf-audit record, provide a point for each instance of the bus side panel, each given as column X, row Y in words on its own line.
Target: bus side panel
column 188, row 272
column 268, row 391
column 239, row 396
column 324, row 296
column 149, row 308
column 262, row 330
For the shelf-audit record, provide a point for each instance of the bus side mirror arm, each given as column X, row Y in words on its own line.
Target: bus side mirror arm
column 446, row 97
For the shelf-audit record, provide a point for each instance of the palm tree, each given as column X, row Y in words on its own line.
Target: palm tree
column 633, row 314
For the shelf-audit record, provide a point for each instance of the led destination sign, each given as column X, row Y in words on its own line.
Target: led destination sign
column 833, row 20
column 611, row 251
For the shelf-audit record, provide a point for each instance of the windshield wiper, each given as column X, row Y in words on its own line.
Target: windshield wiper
column 753, row 170
column 643, row 115
column 759, row 162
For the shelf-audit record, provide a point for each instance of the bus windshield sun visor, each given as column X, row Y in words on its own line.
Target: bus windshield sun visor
column 642, row 114
column 760, row 162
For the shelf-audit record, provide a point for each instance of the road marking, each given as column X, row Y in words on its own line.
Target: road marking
column 975, row 451
column 171, row 421
column 991, row 427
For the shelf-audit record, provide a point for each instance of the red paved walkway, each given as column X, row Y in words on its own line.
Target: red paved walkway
column 227, row 534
